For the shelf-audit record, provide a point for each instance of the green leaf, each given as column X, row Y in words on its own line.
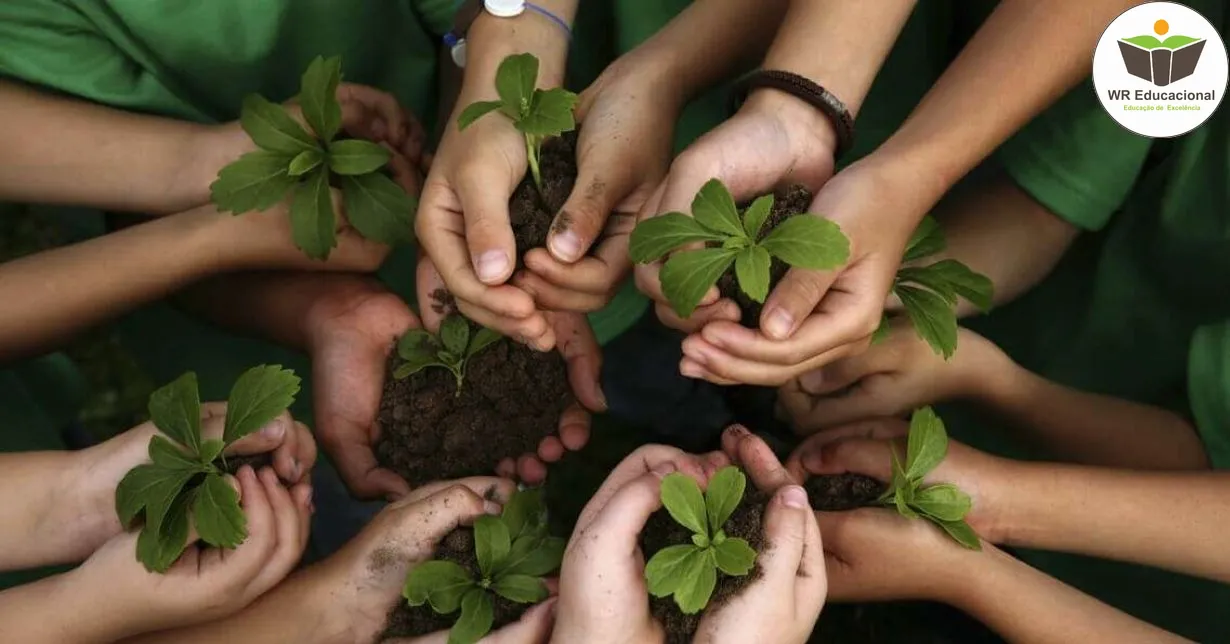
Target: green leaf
column 756, row 214
column 443, row 583
column 715, row 209
column 700, row 540
column 482, row 339
column 534, row 557
column 657, row 236
column 143, row 484
column 415, row 342
column 475, row 111
column 491, row 543
column 924, row 277
column 734, row 557
column 455, row 334
column 219, row 520
column 158, row 548
column 932, row 318
column 477, row 615
column 808, row 241
column 723, row 495
column 313, row 224
column 945, row 502
column 170, row 456
column 550, row 113
column 883, row 331
column 416, row 364
column 927, row 240
column 271, row 128
column 522, row 589
column 175, row 410
column 899, row 478
column 515, row 80
column 378, row 208
column 523, row 512
column 665, row 570
column 259, row 396
column 355, row 156
column 305, row 162
column 699, row 580
column 682, row 498
column 975, row 287
column 901, row 500
column 962, row 533
column 928, row 443
column 210, row 449
column 255, row 181
column 752, row 271
column 318, row 96
column 687, row 276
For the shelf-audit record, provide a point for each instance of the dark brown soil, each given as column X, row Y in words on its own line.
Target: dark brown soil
column 257, row 461
column 405, row 621
column 662, row 531
column 792, row 201
column 511, row 399
column 512, row 396
column 843, row 491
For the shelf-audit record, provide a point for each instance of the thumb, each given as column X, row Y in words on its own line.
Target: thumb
column 583, row 355
column 793, row 547
column 615, row 531
column 436, row 516
column 602, row 183
column 872, row 458
column 534, row 626
column 264, row 441
column 793, row 300
column 435, row 302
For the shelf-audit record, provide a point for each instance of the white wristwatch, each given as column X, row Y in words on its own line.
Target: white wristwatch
column 466, row 15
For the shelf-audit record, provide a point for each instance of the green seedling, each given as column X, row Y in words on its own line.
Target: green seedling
column 802, row 241
column 186, row 477
column 514, row 552
column 943, row 504
column 293, row 161
column 537, row 113
column 689, row 571
column 451, row 349
column 929, row 293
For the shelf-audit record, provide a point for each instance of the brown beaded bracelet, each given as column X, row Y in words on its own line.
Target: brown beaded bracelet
column 805, row 90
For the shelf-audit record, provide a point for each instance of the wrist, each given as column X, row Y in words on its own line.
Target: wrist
column 206, row 151
column 89, row 487
column 813, row 134
column 993, row 378
column 491, row 39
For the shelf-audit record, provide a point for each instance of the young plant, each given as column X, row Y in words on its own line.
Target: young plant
column 944, row 504
column 689, row 571
column 803, row 241
column 929, row 293
column 293, row 161
column 451, row 349
column 537, row 113
column 514, row 552
column 186, row 475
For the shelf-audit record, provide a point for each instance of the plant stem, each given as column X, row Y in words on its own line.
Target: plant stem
column 531, row 153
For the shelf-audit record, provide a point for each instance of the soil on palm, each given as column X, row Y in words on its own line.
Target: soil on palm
column 792, row 201
column 662, row 531
column 408, row 621
column 511, row 399
column 531, row 213
column 843, row 491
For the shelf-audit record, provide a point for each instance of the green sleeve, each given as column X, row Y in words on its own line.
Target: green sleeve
column 1208, row 387
column 437, row 14
column 1075, row 160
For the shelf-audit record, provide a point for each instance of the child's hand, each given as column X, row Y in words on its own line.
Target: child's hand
column 892, row 377
column 89, row 510
column 864, row 448
column 121, row 598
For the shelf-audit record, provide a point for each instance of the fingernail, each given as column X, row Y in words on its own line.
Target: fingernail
column 566, row 246
column 492, row 265
column 738, row 430
column 793, row 496
column 274, row 430
column 662, row 469
column 691, row 370
column 296, row 470
column 492, row 508
column 602, row 400
column 778, row 324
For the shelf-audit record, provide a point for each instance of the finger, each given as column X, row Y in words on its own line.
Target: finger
column 488, row 233
column 602, row 182
column 649, row 282
column 760, row 463
column 530, row 470
column 262, row 538
column 494, row 489
column 441, row 513
column 357, row 465
column 533, row 627
column 615, row 531
column 289, row 530
column 885, row 357
column 871, row 429
column 600, row 273
column 435, row 302
column 811, row 579
column 507, row 468
column 643, row 459
column 574, row 427
column 551, row 449
column 269, row 438
column 859, row 456
column 691, row 369
column 213, row 419
column 753, row 371
column 534, row 331
column 872, row 397
column 785, row 531
column 404, row 172
column 550, row 297
column 306, row 451
column 793, row 300
column 722, row 310
column 583, row 355
column 383, row 104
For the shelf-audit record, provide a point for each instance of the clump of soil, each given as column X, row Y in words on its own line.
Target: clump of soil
column 662, row 531
column 407, row 621
column 843, row 491
column 792, row 201
column 512, row 396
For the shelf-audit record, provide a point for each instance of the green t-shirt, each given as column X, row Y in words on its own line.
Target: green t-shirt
column 1137, row 309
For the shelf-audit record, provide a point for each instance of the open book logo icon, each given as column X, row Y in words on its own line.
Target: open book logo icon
column 1161, row 62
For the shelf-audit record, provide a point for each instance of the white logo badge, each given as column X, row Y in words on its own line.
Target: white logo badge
column 1160, row 69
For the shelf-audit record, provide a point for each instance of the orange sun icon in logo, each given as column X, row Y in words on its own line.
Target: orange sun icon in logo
column 1161, row 27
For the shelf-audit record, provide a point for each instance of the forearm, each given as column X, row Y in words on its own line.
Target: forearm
column 34, row 485
column 1093, row 429
column 49, row 296
column 992, row 89
column 51, row 611
column 1171, row 520
column 491, row 39
column 1024, row 605
column 65, row 151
